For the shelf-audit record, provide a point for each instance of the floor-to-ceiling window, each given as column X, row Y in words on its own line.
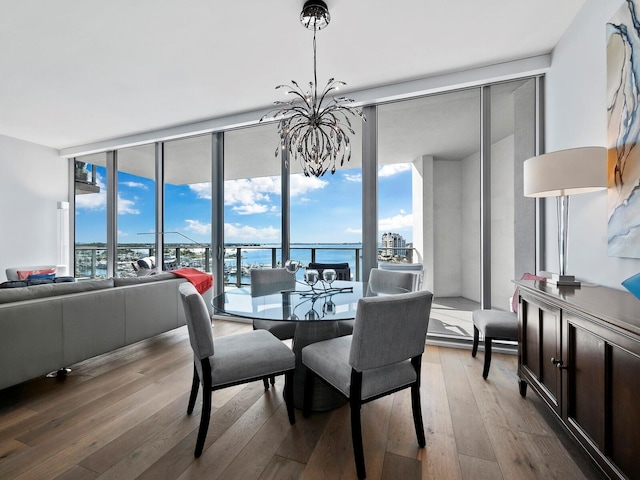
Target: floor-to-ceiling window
column 90, row 216
column 252, row 202
column 513, row 129
column 429, row 147
column 136, row 207
column 326, row 211
column 465, row 253
column 187, row 203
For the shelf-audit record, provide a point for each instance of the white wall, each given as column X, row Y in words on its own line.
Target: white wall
column 576, row 117
column 33, row 179
column 502, row 223
column 447, row 229
column 470, row 255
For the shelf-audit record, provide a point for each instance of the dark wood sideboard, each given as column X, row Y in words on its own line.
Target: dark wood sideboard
column 579, row 350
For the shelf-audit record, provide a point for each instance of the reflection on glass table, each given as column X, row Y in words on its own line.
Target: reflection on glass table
column 338, row 301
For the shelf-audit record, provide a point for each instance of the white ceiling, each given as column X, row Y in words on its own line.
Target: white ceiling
column 74, row 72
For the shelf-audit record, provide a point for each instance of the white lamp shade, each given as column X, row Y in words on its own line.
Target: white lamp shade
column 566, row 172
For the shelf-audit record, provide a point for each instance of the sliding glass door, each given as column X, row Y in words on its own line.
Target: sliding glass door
column 431, row 194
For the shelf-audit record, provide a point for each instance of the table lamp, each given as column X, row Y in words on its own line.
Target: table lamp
column 561, row 174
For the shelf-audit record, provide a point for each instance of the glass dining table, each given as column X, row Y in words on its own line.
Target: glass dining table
column 319, row 314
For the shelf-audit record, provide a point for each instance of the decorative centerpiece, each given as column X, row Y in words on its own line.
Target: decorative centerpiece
column 318, row 284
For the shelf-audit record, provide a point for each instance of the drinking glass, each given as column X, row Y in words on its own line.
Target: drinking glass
column 329, row 275
column 311, row 276
column 292, row 266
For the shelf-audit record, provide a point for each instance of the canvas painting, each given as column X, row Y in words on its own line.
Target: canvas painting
column 623, row 131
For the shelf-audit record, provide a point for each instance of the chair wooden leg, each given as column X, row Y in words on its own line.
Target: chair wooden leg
column 415, row 402
column 288, row 396
column 195, row 385
column 272, row 379
column 265, row 382
column 417, row 414
column 206, row 406
column 204, row 422
column 476, row 339
column 307, row 402
column 355, row 403
column 356, row 438
column 487, row 357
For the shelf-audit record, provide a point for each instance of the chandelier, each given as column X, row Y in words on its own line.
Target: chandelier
column 313, row 127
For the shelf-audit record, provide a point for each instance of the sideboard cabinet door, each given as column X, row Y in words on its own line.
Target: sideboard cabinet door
column 603, row 393
column 540, row 348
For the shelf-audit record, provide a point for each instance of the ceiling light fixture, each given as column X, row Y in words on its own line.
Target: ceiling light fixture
column 313, row 127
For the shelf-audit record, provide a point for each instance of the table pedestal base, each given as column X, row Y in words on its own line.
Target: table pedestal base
column 324, row 397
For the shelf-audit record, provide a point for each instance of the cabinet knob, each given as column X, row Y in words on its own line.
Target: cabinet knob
column 558, row 363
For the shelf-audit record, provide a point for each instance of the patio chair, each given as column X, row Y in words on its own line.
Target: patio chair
column 343, row 272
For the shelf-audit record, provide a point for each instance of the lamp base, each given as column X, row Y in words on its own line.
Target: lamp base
column 563, row 280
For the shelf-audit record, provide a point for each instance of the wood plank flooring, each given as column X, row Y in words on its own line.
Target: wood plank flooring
column 123, row 415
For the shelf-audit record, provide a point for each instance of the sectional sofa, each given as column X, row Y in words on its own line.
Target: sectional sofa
column 47, row 327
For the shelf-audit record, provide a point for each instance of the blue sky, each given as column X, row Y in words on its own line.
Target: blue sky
column 323, row 210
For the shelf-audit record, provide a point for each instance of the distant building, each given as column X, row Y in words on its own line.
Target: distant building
column 393, row 244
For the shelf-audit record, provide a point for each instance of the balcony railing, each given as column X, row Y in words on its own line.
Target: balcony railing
column 91, row 260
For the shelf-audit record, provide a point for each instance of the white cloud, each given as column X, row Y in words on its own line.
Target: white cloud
column 248, row 196
column 393, row 169
column 300, row 185
column 251, row 209
column 198, row 227
column 353, row 178
column 135, row 185
column 202, row 190
column 127, row 207
column 395, row 223
column 354, row 230
column 244, row 233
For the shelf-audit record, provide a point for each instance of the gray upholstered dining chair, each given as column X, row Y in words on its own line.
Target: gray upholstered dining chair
column 496, row 324
column 230, row 360
column 381, row 357
column 388, row 282
column 266, row 281
column 417, row 269
column 382, row 282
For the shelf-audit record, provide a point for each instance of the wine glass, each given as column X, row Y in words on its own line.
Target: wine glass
column 329, row 275
column 311, row 276
column 292, row 266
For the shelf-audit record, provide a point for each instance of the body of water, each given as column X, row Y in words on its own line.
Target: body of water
column 256, row 257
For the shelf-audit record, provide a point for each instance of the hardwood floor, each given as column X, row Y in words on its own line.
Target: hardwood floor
column 123, row 415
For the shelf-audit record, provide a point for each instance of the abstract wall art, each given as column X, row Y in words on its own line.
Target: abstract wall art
column 623, row 131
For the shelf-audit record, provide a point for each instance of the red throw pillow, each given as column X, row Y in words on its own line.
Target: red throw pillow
column 24, row 274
